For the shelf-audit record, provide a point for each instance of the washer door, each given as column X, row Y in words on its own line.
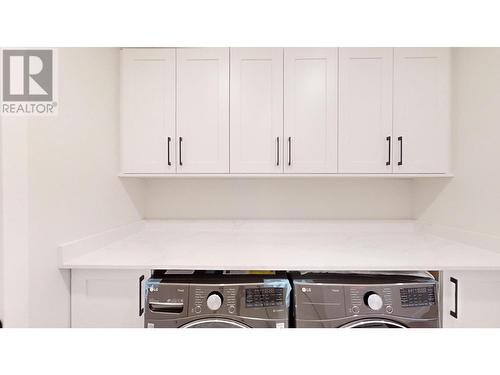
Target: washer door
column 373, row 323
column 214, row 323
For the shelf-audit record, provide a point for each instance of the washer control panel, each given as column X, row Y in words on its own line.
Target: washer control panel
column 264, row 297
column 211, row 299
column 416, row 297
column 369, row 300
column 234, row 299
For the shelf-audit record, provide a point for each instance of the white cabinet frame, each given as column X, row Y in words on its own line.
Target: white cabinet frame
column 203, row 110
column 311, row 99
column 256, row 118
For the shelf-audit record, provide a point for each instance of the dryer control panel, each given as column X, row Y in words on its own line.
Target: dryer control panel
column 398, row 300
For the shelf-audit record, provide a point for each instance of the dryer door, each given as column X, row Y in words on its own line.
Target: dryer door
column 373, row 323
column 214, row 323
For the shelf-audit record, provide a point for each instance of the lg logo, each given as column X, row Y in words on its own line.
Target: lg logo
column 27, row 75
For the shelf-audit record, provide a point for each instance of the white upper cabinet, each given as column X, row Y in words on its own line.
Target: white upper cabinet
column 203, row 110
column 365, row 110
column 421, row 110
column 256, row 110
column 147, row 110
column 310, row 102
column 285, row 111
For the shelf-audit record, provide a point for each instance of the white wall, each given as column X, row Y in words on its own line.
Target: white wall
column 14, row 219
column 1, row 228
column 72, row 162
column 289, row 198
column 471, row 200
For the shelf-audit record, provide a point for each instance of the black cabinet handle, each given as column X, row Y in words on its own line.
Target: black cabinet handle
column 180, row 150
column 455, row 313
column 168, row 151
column 400, row 139
column 289, row 150
column 278, row 151
column 141, row 308
column 388, row 162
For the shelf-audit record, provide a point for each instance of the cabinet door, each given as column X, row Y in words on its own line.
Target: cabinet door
column 147, row 110
column 365, row 110
column 107, row 298
column 256, row 110
column 203, row 110
column 422, row 110
column 310, row 129
column 470, row 299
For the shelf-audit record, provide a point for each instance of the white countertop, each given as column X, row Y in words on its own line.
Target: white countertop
column 275, row 245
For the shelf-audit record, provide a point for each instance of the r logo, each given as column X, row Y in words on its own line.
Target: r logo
column 27, row 75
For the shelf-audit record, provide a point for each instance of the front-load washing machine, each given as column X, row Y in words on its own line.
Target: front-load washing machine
column 357, row 300
column 217, row 300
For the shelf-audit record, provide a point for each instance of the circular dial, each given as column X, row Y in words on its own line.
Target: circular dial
column 214, row 301
column 373, row 300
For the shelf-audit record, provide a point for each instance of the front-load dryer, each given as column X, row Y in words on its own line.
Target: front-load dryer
column 217, row 300
column 357, row 300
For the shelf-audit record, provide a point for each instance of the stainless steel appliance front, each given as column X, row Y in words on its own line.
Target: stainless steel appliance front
column 364, row 301
column 217, row 300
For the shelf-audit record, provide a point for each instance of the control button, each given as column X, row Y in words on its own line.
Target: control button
column 389, row 309
column 373, row 300
column 197, row 309
column 355, row 309
column 214, row 301
column 231, row 309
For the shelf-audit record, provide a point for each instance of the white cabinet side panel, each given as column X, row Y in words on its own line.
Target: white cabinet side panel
column 477, row 304
column 107, row 298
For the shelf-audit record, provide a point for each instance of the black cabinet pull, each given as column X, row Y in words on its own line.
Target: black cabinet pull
column 400, row 139
column 289, row 150
column 278, row 151
column 168, row 151
column 388, row 162
column 455, row 313
column 141, row 308
column 180, row 150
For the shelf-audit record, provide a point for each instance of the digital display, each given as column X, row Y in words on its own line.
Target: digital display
column 263, row 297
column 416, row 297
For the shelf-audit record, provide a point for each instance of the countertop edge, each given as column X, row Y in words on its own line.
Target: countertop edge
column 71, row 253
